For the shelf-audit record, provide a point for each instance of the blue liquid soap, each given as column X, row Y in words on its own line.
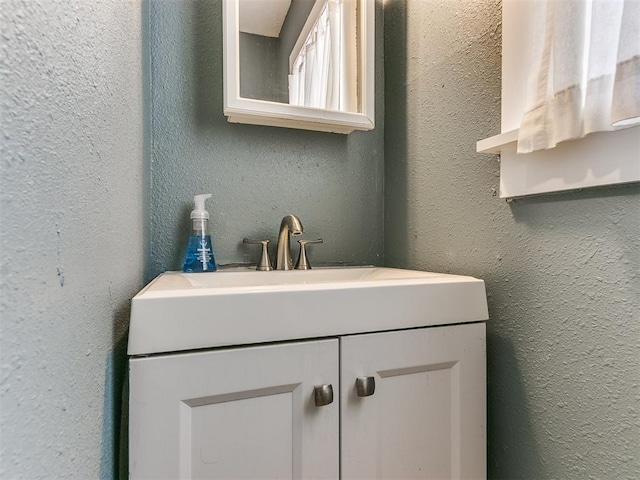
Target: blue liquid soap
column 199, row 257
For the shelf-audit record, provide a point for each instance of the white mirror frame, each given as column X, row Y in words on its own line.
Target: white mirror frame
column 262, row 112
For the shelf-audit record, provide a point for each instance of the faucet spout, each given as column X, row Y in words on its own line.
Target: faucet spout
column 290, row 225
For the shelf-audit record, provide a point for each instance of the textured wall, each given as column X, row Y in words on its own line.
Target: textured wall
column 256, row 174
column 562, row 271
column 72, row 231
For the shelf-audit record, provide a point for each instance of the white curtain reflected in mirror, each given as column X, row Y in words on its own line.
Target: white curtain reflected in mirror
column 300, row 52
column 323, row 64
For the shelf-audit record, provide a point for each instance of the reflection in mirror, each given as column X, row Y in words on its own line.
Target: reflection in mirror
column 307, row 64
column 300, row 52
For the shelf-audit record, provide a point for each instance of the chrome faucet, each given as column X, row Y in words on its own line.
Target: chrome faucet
column 290, row 226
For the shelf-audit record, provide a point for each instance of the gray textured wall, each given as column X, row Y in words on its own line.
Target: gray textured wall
column 256, row 174
column 562, row 271
column 72, row 217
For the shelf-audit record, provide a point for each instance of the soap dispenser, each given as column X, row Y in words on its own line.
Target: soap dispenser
column 199, row 256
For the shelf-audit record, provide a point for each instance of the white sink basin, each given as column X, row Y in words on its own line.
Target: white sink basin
column 184, row 311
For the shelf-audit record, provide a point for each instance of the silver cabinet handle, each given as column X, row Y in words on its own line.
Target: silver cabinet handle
column 365, row 386
column 323, row 395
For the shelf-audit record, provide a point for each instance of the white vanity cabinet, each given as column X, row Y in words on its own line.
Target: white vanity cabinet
column 352, row 372
column 427, row 416
column 249, row 412
column 234, row 413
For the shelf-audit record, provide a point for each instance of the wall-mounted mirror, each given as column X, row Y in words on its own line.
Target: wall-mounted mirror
column 305, row 64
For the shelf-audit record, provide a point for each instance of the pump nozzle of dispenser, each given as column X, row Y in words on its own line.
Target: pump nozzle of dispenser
column 199, row 211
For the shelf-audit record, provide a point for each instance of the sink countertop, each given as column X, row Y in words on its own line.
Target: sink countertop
column 181, row 311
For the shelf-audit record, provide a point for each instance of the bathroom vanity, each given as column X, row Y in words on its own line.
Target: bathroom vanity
column 328, row 373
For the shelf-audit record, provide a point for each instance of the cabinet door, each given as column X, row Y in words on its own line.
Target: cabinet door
column 426, row 418
column 239, row 413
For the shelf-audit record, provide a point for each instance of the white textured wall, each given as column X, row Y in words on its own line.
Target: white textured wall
column 562, row 271
column 72, row 229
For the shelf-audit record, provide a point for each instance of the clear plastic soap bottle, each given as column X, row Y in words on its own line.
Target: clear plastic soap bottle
column 199, row 256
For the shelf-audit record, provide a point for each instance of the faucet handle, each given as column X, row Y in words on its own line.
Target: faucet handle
column 264, row 265
column 303, row 262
